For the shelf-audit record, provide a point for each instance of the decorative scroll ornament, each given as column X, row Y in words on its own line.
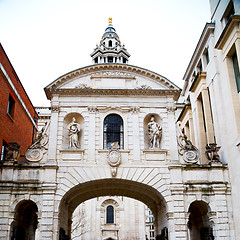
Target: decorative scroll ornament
column 189, row 152
column 36, row 151
column 114, row 158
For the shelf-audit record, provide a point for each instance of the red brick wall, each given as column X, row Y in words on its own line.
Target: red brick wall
column 20, row 129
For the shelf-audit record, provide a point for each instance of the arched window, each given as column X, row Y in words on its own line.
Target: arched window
column 110, row 214
column 113, row 131
column 110, row 43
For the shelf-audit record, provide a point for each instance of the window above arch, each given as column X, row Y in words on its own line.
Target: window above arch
column 109, row 214
column 113, row 131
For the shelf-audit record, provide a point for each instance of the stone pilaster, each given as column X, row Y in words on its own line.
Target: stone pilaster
column 53, row 129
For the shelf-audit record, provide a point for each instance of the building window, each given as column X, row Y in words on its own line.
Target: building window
column 113, row 131
column 110, row 59
column 110, row 214
column 10, row 107
column 236, row 70
column 4, row 150
column 206, row 54
column 110, row 43
column 227, row 14
column 199, row 67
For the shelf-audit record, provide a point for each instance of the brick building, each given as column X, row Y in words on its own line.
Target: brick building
column 17, row 114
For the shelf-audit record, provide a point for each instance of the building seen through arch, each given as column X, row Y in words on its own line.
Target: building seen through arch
column 124, row 153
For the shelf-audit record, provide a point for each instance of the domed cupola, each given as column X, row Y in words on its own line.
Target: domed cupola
column 110, row 49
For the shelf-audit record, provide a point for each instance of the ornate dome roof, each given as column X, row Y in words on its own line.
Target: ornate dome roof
column 110, row 49
column 110, row 32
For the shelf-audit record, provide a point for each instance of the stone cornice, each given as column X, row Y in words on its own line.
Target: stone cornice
column 113, row 92
column 93, row 69
column 233, row 22
column 207, row 31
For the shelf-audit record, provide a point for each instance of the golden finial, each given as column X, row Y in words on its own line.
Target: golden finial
column 110, row 20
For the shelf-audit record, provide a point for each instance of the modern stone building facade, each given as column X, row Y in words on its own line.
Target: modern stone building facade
column 123, row 131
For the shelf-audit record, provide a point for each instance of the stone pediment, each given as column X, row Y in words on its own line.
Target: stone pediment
column 120, row 78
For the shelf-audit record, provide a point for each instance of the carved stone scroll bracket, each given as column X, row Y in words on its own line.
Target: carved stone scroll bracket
column 114, row 160
column 187, row 150
column 36, row 151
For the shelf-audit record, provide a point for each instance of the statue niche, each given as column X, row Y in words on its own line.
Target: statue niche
column 152, row 131
column 73, row 131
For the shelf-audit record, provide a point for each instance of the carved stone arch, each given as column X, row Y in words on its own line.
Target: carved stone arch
column 106, row 198
column 25, row 220
column 200, row 222
column 146, row 120
column 65, row 134
column 32, row 198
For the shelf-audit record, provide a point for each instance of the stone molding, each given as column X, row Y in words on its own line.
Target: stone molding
column 120, row 92
column 125, row 70
column 113, row 74
column 155, row 154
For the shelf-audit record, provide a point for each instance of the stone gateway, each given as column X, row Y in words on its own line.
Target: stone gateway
column 114, row 132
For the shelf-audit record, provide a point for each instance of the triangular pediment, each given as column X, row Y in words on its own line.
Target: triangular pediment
column 111, row 76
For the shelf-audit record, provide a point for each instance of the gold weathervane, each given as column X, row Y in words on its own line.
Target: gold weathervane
column 110, row 20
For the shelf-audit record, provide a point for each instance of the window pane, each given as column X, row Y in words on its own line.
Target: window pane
column 10, row 107
column 110, row 214
column 236, row 70
column 113, row 131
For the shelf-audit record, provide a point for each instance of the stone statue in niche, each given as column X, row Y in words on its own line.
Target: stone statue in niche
column 73, row 131
column 155, row 133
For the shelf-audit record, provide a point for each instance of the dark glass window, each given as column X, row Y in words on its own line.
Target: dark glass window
column 113, row 131
column 10, row 107
column 110, row 43
column 207, row 56
column 236, row 70
column 4, row 150
column 110, row 214
column 110, row 59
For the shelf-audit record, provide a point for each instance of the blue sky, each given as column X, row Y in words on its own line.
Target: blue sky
column 45, row 39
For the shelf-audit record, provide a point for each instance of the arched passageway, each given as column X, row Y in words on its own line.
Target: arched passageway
column 200, row 227
column 25, row 221
column 111, row 187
